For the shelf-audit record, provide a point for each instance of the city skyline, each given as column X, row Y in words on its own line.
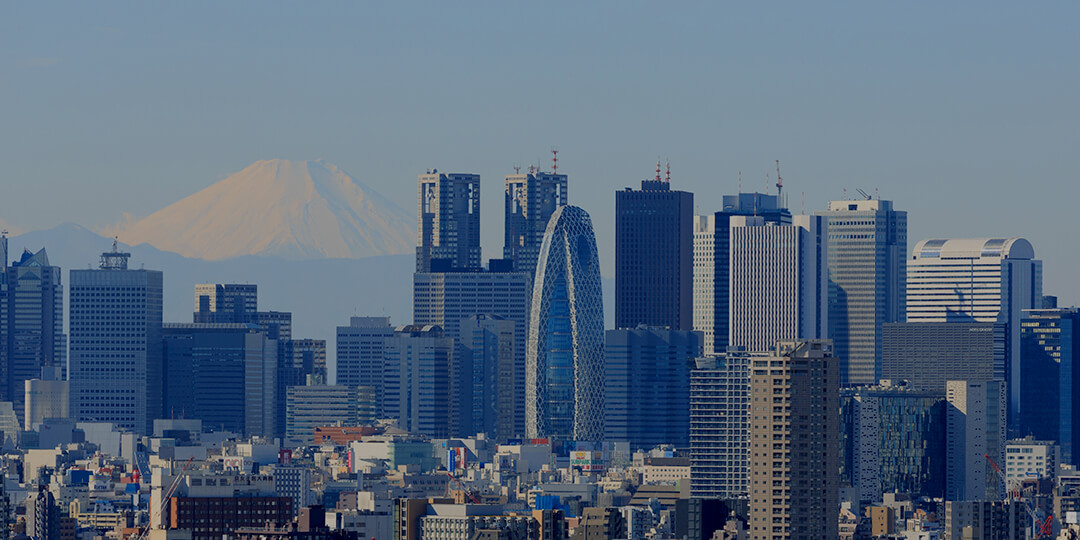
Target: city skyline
column 953, row 116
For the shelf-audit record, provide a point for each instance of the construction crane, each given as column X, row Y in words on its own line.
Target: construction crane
column 864, row 194
column 165, row 499
column 468, row 492
column 1041, row 528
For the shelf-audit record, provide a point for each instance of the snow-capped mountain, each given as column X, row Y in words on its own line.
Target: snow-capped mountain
column 291, row 209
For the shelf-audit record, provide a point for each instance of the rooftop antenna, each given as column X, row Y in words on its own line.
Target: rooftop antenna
column 554, row 161
column 844, row 198
column 667, row 177
column 876, row 196
column 658, row 169
column 740, row 181
column 517, row 169
column 804, row 203
column 766, row 183
column 779, row 183
column 532, row 169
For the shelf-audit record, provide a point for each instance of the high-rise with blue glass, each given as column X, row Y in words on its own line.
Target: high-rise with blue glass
column 647, row 391
column 1049, row 399
column 564, row 390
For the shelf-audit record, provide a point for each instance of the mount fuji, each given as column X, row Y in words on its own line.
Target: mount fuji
column 289, row 209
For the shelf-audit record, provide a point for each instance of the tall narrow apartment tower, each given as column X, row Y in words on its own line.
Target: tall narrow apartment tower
column 794, row 442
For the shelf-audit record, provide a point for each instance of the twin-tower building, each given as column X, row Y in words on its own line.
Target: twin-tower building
column 550, row 381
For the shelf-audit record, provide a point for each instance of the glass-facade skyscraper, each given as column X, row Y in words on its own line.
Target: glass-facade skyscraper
column 653, row 257
column 646, row 376
column 867, row 278
column 1050, row 389
column 564, row 394
column 33, row 335
column 892, row 440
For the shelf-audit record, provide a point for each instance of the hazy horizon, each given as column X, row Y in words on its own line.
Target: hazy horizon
column 963, row 116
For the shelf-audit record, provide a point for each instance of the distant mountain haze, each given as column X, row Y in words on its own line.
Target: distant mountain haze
column 289, row 209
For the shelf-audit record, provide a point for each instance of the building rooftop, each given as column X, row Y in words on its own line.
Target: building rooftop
column 974, row 248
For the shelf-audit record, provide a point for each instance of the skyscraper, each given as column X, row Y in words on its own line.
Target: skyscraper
column 975, row 420
column 893, row 441
column 927, row 355
column 226, row 303
column 1050, row 391
column 712, row 253
column 309, row 407
column 359, row 356
column 224, row 374
column 448, row 225
column 977, row 280
column 115, row 352
column 531, row 199
column 564, row 391
column 778, row 281
column 794, row 442
column 647, row 385
column 720, row 426
column 418, row 371
column 487, row 388
column 35, row 324
column 446, row 299
column 654, row 236
column 867, row 278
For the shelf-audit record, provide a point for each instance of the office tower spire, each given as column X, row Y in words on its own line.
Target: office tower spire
column 654, row 235
column 448, row 229
column 531, row 199
column 564, row 394
column 867, row 282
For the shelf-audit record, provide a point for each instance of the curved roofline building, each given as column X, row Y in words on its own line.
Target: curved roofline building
column 983, row 280
column 564, row 390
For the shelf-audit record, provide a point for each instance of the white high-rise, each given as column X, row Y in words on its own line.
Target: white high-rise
column 977, row 280
column 778, row 281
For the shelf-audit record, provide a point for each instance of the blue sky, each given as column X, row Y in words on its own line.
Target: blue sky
column 964, row 114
